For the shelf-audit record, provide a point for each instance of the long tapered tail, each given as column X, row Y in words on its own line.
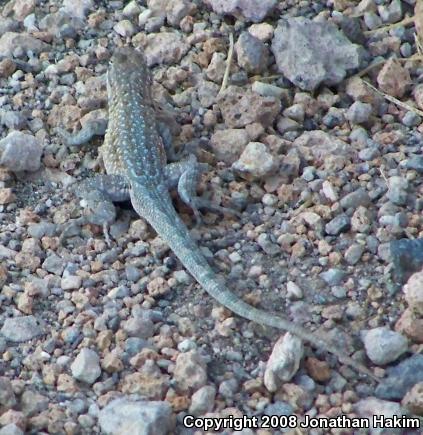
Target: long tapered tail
column 161, row 215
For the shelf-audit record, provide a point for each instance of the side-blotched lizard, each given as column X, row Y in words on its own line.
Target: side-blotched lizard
column 135, row 161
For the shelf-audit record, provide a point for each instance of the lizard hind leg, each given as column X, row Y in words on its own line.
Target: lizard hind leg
column 95, row 128
column 184, row 176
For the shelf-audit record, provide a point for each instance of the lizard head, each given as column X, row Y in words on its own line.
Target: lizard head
column 127, row 65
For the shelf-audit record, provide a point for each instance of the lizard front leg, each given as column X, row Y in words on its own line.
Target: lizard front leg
column 98, row 194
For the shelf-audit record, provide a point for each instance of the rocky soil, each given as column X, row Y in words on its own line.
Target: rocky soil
column 310, row 117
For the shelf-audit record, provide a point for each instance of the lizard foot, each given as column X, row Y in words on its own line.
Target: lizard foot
column 73, row 228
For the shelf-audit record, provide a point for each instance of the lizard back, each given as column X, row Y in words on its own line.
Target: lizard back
column 132, row 146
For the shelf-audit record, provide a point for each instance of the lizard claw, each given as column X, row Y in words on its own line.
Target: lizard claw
column 199, row 202
column 107, row 235
column 73, row 228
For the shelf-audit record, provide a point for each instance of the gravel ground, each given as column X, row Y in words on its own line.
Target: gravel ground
column 312, row 129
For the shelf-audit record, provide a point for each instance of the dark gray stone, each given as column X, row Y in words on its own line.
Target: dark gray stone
column 401, row 378
column 407, row 257
column 338, row 225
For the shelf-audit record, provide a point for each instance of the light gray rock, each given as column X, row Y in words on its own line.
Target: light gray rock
column 177, row 10
column 413, row 292
column 127, row 417
column 78, row 8
column 9, row 41
column 318, row 146
column 131, row 9
column 124, row 28
column 20, row 329
column 354, row 253
column 190, row 371
column 139, row 327
column 411, row 119
column 359, row 112
column 12, row 119
column 310, row 53
column 398, row 190
column 20, row 152
column 295, row 112
column 253, row 10
column 383, row 345
column 255, row 162
column 283, row 362
column 334, row 117
column 202, row 401
column 11, row 429
column 53, row 264
column 70, row 282
column 228, row 387
column 86, row 366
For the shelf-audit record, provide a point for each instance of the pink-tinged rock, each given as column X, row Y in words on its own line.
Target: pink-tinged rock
column 393, row 79
column 165, row 48
column 241, row 107
column 228, row 144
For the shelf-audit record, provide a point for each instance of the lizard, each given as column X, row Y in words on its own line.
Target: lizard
column 134, row 158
